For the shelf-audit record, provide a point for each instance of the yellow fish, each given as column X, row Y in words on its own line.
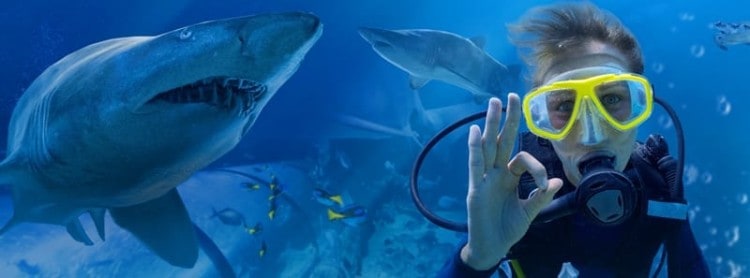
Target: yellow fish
column 352, row 215
column 251, row 186
column 255, row 229
column 272, row 210
column 326, row 198
column 333, row 216
column 262, row 251
column 273, row 183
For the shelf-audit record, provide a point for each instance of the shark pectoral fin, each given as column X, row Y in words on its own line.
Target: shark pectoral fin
column 164, row 226
column 417, row 82
column 479, row 41
column 98, row 216
column 214, row 254
column 78, row 233
column 8, row 225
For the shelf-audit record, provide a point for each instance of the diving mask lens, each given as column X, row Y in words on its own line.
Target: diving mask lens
column 623, row 100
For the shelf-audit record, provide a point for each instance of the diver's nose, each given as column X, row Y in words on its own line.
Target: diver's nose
column 590, row 124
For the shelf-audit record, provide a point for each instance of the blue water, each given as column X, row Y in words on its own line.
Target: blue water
column 342, row 75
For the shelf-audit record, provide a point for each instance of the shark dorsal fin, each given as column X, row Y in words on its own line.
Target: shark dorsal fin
column 479, row 41
column 417, row 83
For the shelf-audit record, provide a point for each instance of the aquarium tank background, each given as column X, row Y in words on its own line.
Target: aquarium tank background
column 318, row 187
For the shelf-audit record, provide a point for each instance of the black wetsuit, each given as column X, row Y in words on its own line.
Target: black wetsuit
column 625, row 250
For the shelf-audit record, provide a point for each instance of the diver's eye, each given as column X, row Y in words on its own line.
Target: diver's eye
column 565, row 106
column 611, row 99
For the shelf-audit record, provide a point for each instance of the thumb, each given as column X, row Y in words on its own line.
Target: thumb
column 539, row 199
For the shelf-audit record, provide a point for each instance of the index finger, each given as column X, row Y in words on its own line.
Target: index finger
column 525, row 162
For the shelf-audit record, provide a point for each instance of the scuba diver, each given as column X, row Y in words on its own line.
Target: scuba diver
column 580, row 189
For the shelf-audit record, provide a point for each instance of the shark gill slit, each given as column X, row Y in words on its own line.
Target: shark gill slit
column 40, row 152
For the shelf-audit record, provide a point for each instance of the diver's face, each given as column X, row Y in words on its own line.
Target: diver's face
column 590, row 134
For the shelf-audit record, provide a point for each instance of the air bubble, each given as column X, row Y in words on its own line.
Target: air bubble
column 691, row 174
column 729, row 269
column 742, row 198
column 724, row 106
column 697, row 50
column 732, row 236
column 685, row 16
column 665, row 121
column 657, row 67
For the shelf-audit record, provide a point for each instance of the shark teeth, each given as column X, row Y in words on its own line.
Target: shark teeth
column 223, row 92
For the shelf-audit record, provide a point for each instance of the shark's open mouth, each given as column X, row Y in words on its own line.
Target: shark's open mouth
column 223, row 92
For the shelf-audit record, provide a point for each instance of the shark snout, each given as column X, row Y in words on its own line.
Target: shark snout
column 272, row 46
column 306, row 22
column 276, row 33
column 375, row 36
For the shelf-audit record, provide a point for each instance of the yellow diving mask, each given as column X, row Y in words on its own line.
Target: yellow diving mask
column 624, row 100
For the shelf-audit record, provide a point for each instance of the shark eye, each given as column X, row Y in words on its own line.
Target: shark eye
column 185, row 34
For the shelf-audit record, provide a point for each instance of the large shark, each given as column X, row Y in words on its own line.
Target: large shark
column 432, row 54
column 117, row 125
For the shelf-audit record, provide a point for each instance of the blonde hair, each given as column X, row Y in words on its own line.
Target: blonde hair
column 552, row 33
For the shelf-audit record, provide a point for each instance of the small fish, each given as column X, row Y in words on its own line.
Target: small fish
column 251, row 186
column 731, row 34
column 326, row 198
column 351, row 215
column 274, row 183
column 272, row 210
column 229, row 216
column 255, row 230
column 262, row 250
column 276, row 190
